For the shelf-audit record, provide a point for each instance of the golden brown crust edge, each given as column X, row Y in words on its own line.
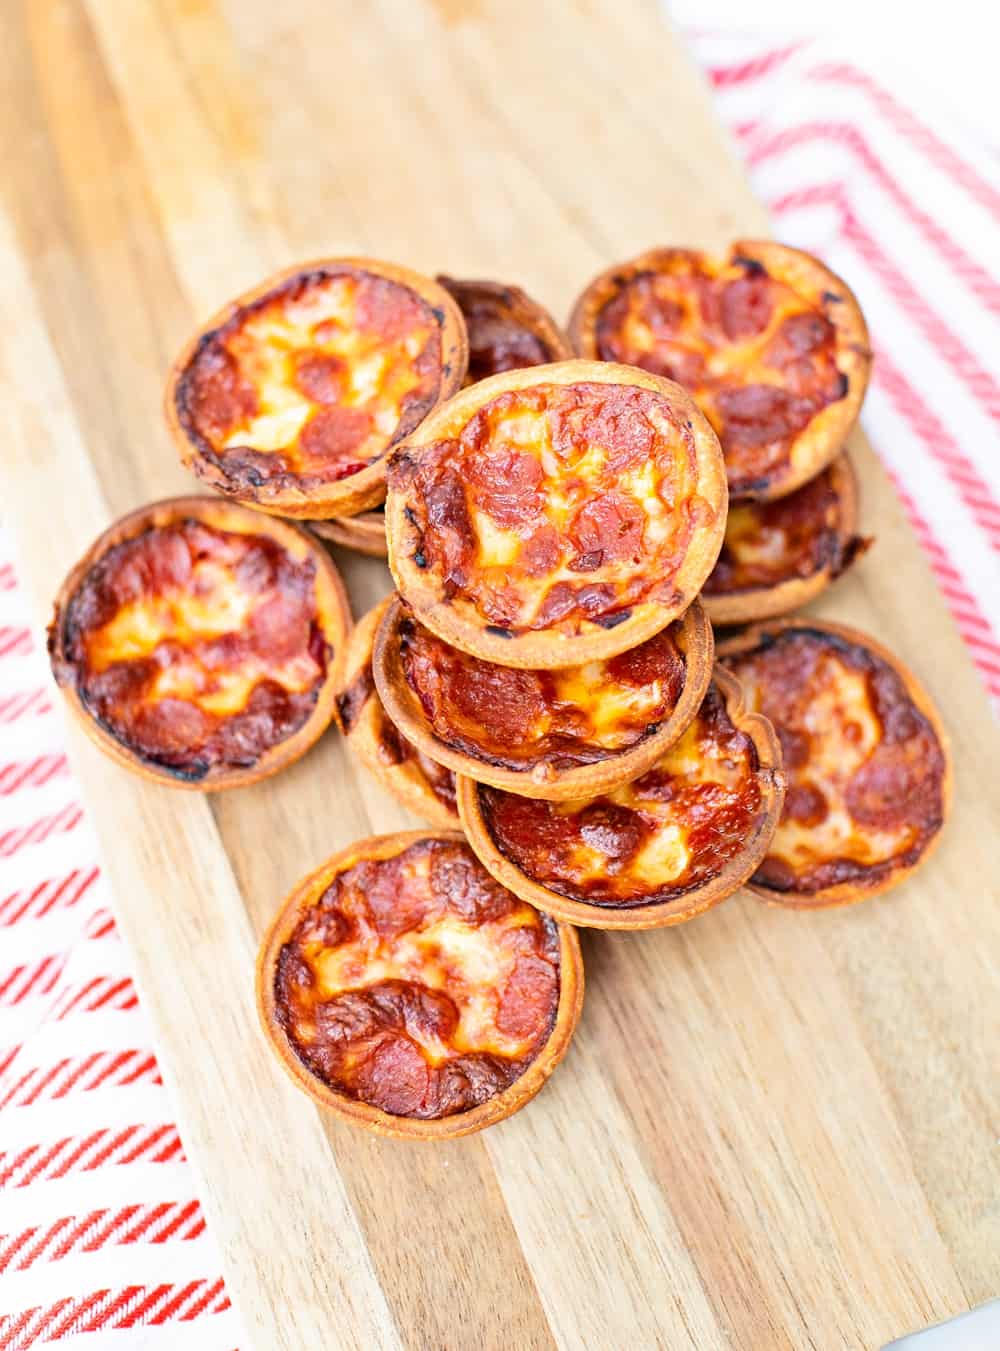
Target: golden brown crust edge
column 850, row 893
column 821, row 441
column 404, row 708
column 542, row 649
column 364, row 534
column 666, row 913
column 403, row 781
column 359, row 492
column 767, row 602
column 335, row 614
column 503, row 1105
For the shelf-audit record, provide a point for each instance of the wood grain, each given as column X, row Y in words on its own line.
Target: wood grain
column 773, row 1130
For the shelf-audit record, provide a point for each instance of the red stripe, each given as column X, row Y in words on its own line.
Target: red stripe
column 60, row 823
column 8, row 577
column 13, row 707
column 37, row 980
column 31, row 773
column 203, row 1302
column 14, row 642
column 723, row 77
column 41, row 899
column 985, row 287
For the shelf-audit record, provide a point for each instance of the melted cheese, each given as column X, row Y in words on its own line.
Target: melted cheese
column 470, row 963
column 607, row 703
column 844, row 730
column 375, row 373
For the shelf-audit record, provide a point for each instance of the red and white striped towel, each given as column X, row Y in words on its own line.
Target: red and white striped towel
column 101, row 1232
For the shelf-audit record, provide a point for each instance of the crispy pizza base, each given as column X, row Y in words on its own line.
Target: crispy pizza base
column 332, row 607
column 364, row 731
column 821, row 440
column 365, row 533
column 849, row 893
column 456, row 620
column 503, row 1104
column 542, row 780
column 355, row 493
column 717, row 888
column 747, row 605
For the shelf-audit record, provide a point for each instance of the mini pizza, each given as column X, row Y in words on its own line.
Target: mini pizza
column 289, row 398
column 778, row 556
column 405, row 990
column 507, row 329
column 867, row 761
column 420, row 783
column 557, row 515
column 195, row 641
column 655, row 852
column 365, row 533
column 552, row 734
column 771, row 343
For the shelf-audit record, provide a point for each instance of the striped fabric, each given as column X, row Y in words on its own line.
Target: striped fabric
column 101, row 1230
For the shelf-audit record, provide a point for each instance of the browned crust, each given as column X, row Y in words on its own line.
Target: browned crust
column 820, row 442
column 358, row 492
column 765, row 602
column 521, row 1091
column 518, row 307
column 542, row 781
column 659, row 916
column 848, row 893
column 334, row 612
column 541, row 649
column 405, row 781
column 365, row 534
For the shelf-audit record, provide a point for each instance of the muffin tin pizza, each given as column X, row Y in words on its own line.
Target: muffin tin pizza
column 565, row 517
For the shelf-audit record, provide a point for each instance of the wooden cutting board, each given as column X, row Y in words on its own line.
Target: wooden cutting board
column 773, row 1130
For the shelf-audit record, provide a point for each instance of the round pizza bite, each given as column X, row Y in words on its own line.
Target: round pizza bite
column 771, row 343
column 778, row 556
column 289, row 398
column 866, row 758
column 552, row 734
column 557, row 515
column 195, row 641
column 507, row 329
column 420, row 783
column 365, row 533
column 657, row 851
column 405, row 990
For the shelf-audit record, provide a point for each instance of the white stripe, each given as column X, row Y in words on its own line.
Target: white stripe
column 132, row 1184
column 30, row 940
column 53, row 860
column 133, row 1264
column 106, row 1108
column 215, row 1332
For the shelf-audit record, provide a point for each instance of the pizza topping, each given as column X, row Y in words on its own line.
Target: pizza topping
column 795, row 536
column 197, row 647
column 557, row 504
column 518, row 718
column 650, row 841
column 418, row 984
column 502, row 336
column 759, row 357
column 865, row 768
column 314, row 381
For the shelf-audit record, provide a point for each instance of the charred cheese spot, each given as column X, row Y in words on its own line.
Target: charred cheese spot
column 655, row 839
column 759, row 357
column 865, row 769
column 198, row 647
column 518, row 718
column 771, row 542
column 314, row 381
column 418, row 984
column 558, row 504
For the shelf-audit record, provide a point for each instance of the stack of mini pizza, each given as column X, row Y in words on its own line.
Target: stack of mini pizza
column 543, row 686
